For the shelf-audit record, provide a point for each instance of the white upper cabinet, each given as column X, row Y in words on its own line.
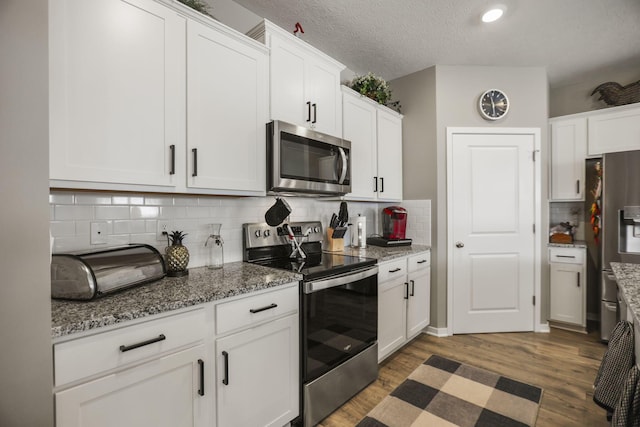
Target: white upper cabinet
column 116, row 92
column 613, row 130
column 227, row 105
column 568, row 153
column 305, row 83
column 375, row 133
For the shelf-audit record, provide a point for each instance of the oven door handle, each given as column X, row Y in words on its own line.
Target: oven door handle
column 345, row 165
column 342, row 279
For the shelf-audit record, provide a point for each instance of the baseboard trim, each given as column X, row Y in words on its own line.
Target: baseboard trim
column 543, row 328
column 437, row 332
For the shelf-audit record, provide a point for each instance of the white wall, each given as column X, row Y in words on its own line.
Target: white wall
column 26, row 377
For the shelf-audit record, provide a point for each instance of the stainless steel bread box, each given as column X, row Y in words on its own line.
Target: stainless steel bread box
column 89, row 274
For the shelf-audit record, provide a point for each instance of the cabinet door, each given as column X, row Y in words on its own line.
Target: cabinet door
column 258, row 373
column 392, row 315
column 165, row 392
column 288, row 97
column 323, row 88
column 567, row 293
column 568, row 153
column 389, row 175
column 614, row 131
column 359, row 127
column 419, row 303
column 227, row 111
column 116, row 91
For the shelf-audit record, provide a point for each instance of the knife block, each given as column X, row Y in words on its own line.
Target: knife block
column 334, row 245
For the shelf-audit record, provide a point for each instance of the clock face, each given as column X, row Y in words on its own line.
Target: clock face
column 493, row 104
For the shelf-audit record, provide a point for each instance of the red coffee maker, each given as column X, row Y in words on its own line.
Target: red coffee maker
column 394, row 222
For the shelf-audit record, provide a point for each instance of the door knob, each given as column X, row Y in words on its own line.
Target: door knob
column 459, row 245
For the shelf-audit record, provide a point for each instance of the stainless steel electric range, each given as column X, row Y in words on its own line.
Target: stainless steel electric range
column 338, row 312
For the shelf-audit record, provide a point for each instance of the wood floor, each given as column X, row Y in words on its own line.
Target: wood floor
column 563, row 363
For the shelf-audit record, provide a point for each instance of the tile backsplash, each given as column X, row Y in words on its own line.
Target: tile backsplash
column 134, row 218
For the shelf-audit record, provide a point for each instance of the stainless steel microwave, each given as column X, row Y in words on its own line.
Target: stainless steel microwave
column 303, row 161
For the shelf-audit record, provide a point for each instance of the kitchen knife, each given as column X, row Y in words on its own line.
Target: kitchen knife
column 338, row 233
column 343, row 214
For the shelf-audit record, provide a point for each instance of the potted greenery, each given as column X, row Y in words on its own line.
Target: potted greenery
column 199, row 5
column 372, row 87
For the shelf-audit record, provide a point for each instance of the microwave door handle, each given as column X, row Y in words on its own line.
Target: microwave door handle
column 343, row 156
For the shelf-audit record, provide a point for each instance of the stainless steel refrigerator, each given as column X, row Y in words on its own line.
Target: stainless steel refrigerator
column 612, row 209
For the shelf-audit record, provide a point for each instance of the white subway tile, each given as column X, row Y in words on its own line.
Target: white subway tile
column 83, row 228
column 62, row 228
column 92, row 199
column 150, row 225
column 198, row 212
column 61, row 198
column 144, row 212
column 185, row 201
column 138, row 226
column 118, row 239
column 147, row 238
column 208, row 201
column 159, row 200
column 173, row 212
column 69, row 244
column 65, row 212
column 112, row 212
column 121, row 227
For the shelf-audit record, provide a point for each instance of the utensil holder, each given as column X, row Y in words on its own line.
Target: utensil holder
column 334, row 245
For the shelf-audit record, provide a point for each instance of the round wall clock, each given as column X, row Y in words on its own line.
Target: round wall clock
column 493, row 104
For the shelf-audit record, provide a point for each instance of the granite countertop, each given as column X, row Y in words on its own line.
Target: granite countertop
column 200, row 286
column 628, row 279
column 575, row 244
column 385, row 254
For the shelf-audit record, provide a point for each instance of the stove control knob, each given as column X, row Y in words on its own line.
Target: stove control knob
column 316, row 229
column 266, row 233
column 257, row 233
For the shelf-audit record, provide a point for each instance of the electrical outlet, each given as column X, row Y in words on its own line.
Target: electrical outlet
column 164, row 227
column 99, row 232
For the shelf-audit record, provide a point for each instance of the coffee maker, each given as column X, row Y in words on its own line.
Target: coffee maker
column 394, row 227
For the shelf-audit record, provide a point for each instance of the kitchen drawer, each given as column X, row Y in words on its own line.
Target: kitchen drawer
column 419, row 261
column 245, row 312
column 91, row 355
column 567, row 255
column 392, row 269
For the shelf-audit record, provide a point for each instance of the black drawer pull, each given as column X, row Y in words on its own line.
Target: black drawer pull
column 375, row 180
column 395, row 270
column 258, row 310
column 225, row 380
column 413, row 288
column 421, row 261
column 315, row 113
column 565, row 256
column 382, row 184
column 159, row 338
column 308, row 111
column 406, row 290
column 172, row 171
column 195, row 161
column 201, row 389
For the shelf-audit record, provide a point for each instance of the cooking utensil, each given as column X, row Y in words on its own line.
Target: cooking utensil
column 334, row 221
column 278, row 212
column 343, row 214
column 338, row 233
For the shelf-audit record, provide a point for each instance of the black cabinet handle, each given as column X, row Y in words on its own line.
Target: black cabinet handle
column 308, row 111
column 195, row 161
column 258, row 310
column 159, row 338
column 413, row 287
column 565, row 256
column 375, row 180
column 406, row 290
column 422, row 261
column 395, row 270
column 578, row 187
column 172, row 171
column 381, row 185
column 578, row 279
column 201, row 389
column 315, row 112
column 225, row 380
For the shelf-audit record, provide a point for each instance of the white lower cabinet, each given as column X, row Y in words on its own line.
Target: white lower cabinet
column 257, row 366
column 149, row 374
column 166, row 392
column 404, row 288
column 568, row 296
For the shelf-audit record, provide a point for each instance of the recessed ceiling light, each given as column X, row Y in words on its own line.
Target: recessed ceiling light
column 492, row 14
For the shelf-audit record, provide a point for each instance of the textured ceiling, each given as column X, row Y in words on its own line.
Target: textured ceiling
column 394, row 38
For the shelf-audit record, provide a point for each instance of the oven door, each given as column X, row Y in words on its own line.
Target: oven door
column 339, row 320
column 302, row 160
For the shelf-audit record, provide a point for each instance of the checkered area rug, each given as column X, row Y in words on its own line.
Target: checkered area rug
column 442, row 392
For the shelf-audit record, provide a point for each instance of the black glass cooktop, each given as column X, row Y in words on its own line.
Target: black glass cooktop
column 319, row 265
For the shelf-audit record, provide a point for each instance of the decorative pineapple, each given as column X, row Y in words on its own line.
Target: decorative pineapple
column 177, row 255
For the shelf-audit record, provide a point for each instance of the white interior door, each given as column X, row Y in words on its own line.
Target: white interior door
column 491, row 231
